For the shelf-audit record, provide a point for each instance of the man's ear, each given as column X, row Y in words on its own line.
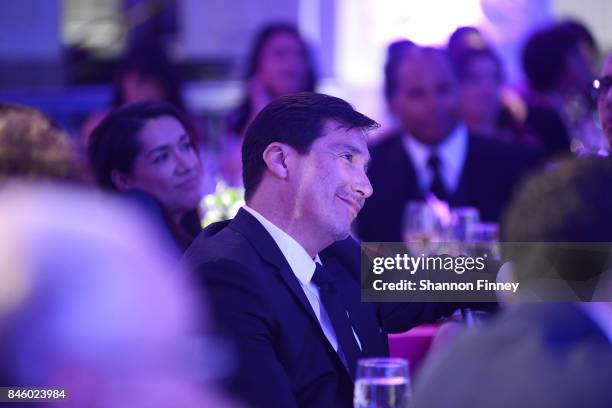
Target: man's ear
column 120, row 180
column 275, row 157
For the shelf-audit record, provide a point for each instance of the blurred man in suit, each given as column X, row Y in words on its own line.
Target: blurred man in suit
column 433, row 151
column 542, row 354
column 282, row 276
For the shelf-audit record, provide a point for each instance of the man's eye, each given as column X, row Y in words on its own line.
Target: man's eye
column 160, row 158
column 415, row 94
column 347, row 156
column 185, row 146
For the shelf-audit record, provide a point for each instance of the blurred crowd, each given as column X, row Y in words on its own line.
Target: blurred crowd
column 92, row 227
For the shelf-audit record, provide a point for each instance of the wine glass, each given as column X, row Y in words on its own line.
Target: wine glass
column 382, row 383
column 463, row 220
column 421, row 228
column 485, row 239
column 460, row 233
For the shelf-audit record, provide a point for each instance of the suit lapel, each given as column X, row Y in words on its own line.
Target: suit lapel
column 350, row 295
column 264, row 244
column 247, row 225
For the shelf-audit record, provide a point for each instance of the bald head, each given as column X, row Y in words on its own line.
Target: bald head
column 426, row 100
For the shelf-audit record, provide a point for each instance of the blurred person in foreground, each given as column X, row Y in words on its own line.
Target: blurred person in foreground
column 145, row 151
column 542, row 353
column 91, row 303
column 33, row 148
column 279, row 63
column 433, row 151
column 283, row 277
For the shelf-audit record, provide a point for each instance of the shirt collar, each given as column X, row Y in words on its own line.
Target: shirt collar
column 302, row 265
column 451, row 151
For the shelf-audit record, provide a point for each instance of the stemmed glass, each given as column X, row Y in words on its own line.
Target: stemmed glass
column 422, row 230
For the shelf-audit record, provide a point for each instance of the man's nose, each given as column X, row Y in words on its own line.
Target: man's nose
column 362, row 186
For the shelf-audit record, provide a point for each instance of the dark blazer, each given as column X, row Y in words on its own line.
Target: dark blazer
column 548, row 129
column 284, row 359
column 535, row 355
column 491, row 171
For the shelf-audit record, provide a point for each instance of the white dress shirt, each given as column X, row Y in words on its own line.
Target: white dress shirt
column 303, row 266
column 452, row 152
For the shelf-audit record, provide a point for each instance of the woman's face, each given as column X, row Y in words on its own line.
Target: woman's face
column 481, row 90
column 167, row 166
column 282, row 65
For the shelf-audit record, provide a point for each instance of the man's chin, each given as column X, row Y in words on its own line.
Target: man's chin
column 341, row 235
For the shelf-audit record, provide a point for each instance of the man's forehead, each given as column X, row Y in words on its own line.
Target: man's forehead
column 336, row 130
column 335, row 134
column 424, row 64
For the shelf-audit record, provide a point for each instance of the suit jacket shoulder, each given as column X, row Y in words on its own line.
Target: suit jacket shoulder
column 284, row 358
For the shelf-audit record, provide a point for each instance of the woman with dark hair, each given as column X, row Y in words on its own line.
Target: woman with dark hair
column 145, row 150
column 279, row 63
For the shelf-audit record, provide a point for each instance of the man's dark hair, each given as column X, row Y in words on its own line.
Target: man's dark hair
column 462, row 62
column 546, row 52
column 114, row 144
column 463, row 39
column 580, row 31
column 296, row 120
column 569, row 204
column 395, row 53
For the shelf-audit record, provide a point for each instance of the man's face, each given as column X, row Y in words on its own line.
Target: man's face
column 427, row 100
column 604, row 101
column 329, row 183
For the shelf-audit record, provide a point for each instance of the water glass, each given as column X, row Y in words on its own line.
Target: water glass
column 382, row 383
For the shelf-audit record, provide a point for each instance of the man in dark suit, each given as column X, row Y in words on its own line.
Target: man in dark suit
column 282, row 276
column 433, row 151
column 542, row 354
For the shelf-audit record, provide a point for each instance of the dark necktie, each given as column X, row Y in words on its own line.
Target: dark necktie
column 437, row 185
column 338, row 317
